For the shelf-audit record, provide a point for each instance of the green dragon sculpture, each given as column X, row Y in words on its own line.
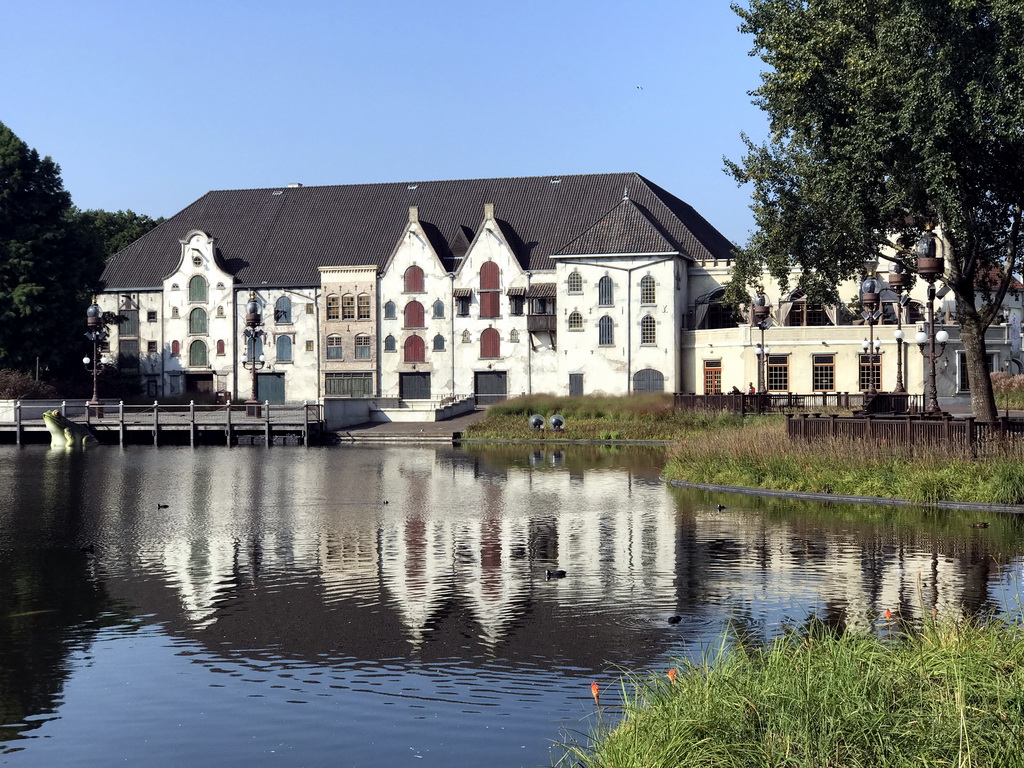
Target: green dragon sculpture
column 64, row 433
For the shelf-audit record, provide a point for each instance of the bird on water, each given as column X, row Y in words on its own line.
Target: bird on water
column 548, row 575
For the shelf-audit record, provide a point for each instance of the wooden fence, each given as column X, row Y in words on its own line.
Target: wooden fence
column 905, row 430
column 793, row 402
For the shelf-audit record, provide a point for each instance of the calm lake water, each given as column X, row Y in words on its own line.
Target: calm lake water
column 388, row 606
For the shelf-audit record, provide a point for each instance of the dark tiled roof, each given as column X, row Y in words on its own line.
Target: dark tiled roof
column 462, row 293
column 515, row 292
column 624, row 229
column 280, row 236
column 541, row 291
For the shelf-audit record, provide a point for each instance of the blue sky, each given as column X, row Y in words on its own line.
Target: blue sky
column 148, row 105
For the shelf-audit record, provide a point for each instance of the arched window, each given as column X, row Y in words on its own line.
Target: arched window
column 439, row 343
column 363, row 306
column 605, row 292
column 362, row 347
column 389, row 311
column 490, row 290
column 197, row 289
column 605, row 331
column 574, row 284
column 513, row 336
column 647, row 295
column 174, row 313
column 414, row 315
column 197, row 321
column 175, row 348
column 220, row 346
column 414, row 280
column 389, row 344
column 648, row 330
column 575, row 321
column 466, row 337
column 348, row 307
column 415, row 350
column 283, row 310
column 284, row 349
column 438, row 309
column 220, row 311
column 490, row 343
column 197, row 353
column 490, row 276
column 334, row 347
column 333, row 307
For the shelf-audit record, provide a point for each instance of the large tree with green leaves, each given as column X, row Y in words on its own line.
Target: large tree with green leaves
column 886, row 116
column 114, row 230
column 48, row 266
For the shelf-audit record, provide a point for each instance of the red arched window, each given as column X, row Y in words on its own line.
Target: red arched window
column 175, row 348
column 490, row 276
column 220, row 346
column 414, row 280
column 490, row 343
column 414, row 315
column 415, row 350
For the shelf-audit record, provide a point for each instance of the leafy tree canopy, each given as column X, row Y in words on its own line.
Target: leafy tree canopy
column 116, row 230
column 885, row 116
column 47, row 267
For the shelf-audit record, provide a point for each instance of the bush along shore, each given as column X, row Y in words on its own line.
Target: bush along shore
column 948, row 693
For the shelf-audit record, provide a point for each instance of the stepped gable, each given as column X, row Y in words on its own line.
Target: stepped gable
column 280, row 236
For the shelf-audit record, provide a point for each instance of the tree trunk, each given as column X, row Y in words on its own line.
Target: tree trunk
column 983, row 401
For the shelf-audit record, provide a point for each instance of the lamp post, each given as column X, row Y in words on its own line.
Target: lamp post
column 898, row 283
column 762, row 321
column 929, row 267
column 869, row 299
column 97, row 335
column 253, row 334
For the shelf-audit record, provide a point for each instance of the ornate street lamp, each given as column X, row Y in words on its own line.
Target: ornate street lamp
column 253, row 334
column 97, row 335
column 898, row 283
column 762, row 321
column 930, row 266
column 869, row 299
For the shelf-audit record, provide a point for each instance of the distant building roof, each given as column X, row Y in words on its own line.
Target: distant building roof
column 280, row 236
column 542, row 291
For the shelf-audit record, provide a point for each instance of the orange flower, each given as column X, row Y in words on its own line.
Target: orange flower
column 672, row 676
column 595, row 691
column 888, row 614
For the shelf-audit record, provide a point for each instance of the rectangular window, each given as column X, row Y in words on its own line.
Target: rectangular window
column 516, row 305
column 349, row 385
column 128, row 354
column 348, row 307
column 333, row 308
column 362, row 347
column 150, row 347
column 309, row 345
column 712, row 377
column 870, row 372
column 823, row 373
column 490, row 303
column 961, row 361
column 334, row 348
column 151, row 317
column 309, row 309
column 778, row 373
column 462, row 306
column 130, row 326
column 364, row 306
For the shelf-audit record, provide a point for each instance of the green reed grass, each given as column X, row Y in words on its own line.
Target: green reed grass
column 762, row 456
column 948, row 694
column 645, row 417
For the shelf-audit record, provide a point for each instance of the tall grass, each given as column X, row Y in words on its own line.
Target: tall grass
column 635, row 418
column 951, row 694
column 762, row 456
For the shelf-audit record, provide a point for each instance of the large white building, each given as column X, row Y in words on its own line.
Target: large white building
column 437, row 290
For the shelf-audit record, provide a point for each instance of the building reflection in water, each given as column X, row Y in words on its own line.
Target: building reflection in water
column 428, row 533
